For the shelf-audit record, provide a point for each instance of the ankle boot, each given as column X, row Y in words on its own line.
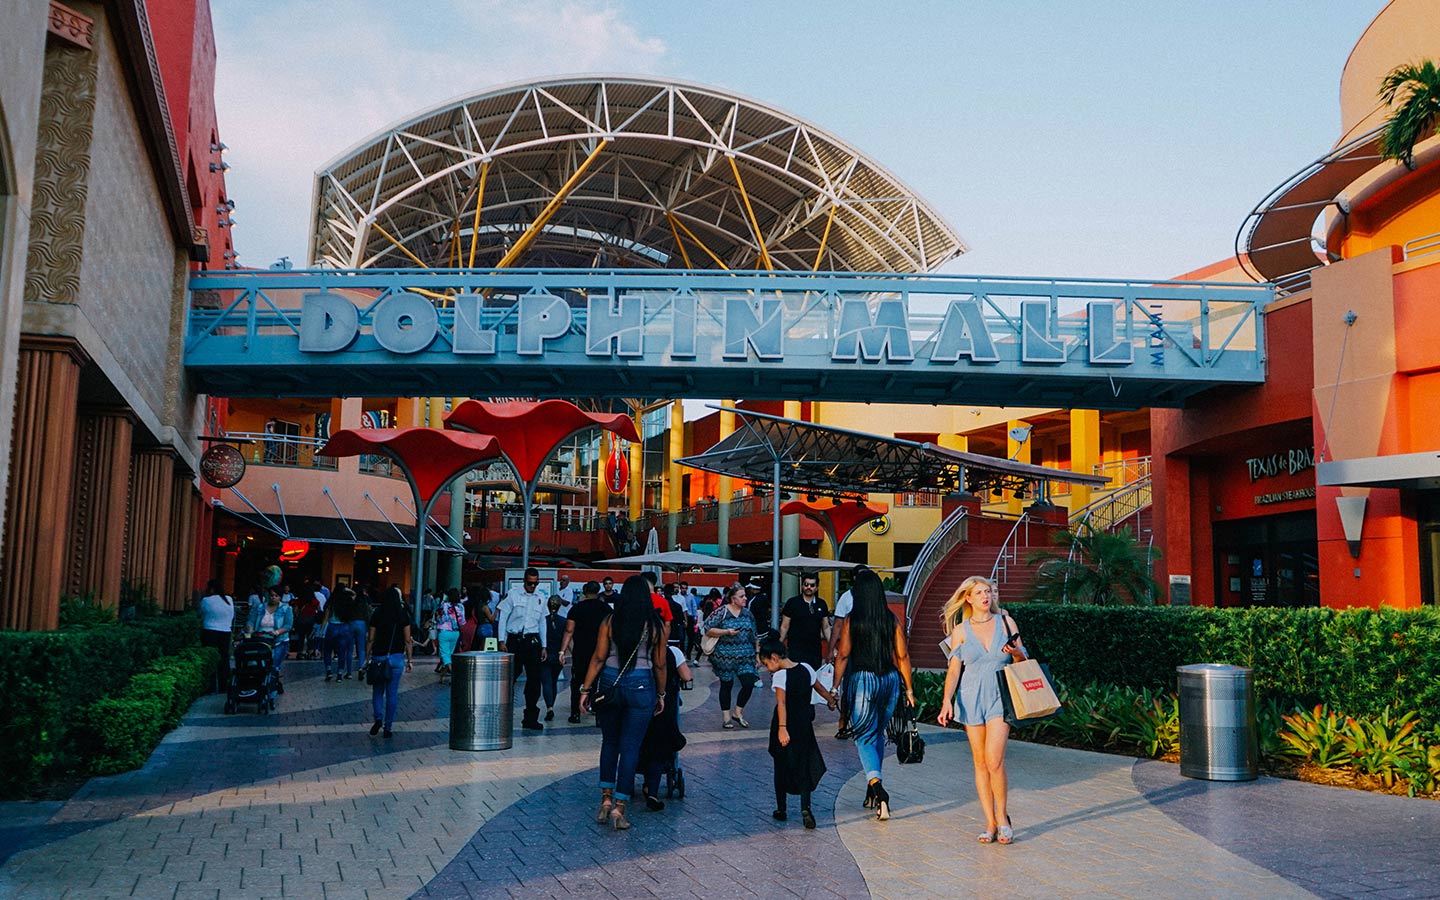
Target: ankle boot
column 607, row 801
column 617, row 816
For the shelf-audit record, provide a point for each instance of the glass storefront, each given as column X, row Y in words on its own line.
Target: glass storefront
column 1267, row 561
column 1427, row 516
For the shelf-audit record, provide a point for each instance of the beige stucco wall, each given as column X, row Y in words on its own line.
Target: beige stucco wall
column 128, row 308
column 22, row 63
column 1403, row 32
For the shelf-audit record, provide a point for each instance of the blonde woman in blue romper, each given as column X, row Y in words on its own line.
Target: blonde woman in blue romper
column 978, row 629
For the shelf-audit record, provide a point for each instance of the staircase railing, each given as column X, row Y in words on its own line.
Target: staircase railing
column 953, row 531
column 1008, row 549
column 1114, row 508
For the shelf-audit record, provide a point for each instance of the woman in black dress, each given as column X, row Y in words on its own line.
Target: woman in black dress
column 798, row 763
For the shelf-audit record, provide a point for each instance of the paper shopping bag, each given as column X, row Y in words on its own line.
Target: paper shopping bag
column 1031, row 693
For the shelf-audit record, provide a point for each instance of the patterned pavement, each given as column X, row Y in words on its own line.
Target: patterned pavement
column 304, row 803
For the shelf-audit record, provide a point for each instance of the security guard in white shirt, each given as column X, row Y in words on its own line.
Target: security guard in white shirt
column 522, row 632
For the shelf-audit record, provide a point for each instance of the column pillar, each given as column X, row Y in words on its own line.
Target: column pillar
column 727, row 484
column 37, row 506
column 637, row 475
column 789, row 525
column 673, row 494
column 1019, row 451
column 1084, row 452
column 455, row 562
column 147, row 550
column 101, row 479
column 602, row 484
column 183, row 498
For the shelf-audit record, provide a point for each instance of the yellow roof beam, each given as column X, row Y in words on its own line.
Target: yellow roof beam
column 678, row 243
column 749, row 211
column 401, row 247
column 479, row 202
column 675, row 220
column 519, row 247
column 824, row 238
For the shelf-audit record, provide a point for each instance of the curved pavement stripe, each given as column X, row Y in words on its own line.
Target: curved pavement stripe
column 1082, row 832
column 720, row 841
column 1389, row 845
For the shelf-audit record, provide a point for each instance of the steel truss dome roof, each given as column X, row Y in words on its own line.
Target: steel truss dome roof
column 659, row 189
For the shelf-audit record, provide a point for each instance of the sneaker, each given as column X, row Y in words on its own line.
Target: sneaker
column 808, row 818
column 532, row 725
column 574, row 720
column 779, row 815
column 328, row 676
column 549, row 715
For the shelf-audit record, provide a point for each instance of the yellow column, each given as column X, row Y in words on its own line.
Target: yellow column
column 674, row 496
column 727, row 484
column 437, row 412
column 1019, row 452
column 602, row 485
column 637, row 471
column 1084, row 451
column 953, row 442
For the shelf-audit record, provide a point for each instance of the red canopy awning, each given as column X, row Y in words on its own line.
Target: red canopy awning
column 429, row 456
column 529, row 432
column 838, row 517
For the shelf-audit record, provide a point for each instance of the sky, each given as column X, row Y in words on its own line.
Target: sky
column 1098, row 140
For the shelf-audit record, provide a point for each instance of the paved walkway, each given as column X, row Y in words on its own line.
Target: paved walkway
column 304, row 803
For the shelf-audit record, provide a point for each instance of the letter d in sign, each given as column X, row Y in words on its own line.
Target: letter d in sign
column 328, row 323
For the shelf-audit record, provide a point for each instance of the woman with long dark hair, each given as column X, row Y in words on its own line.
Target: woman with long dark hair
column 389, row 640
column 628, row 668
column 871, row 662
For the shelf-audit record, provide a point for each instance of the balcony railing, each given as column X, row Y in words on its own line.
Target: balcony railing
column 264, row 449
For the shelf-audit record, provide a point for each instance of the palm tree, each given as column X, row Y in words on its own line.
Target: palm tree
column 1417, row 87
column 1103, row 568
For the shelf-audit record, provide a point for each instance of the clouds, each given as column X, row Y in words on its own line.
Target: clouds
column 297, row 83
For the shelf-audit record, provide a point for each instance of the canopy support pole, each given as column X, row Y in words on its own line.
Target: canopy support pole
column 775, row 550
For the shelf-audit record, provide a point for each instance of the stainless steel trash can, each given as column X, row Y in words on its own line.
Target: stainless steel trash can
column 1218, row 738
column 482, row 694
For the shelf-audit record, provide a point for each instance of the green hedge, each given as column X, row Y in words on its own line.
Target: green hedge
column 116, row 734
column 1359, row 661
column 47, row 677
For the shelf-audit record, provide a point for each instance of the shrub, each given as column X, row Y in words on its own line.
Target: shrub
column 1358, row 660
column 49, row 676
column 116, row 734
column 84, row 611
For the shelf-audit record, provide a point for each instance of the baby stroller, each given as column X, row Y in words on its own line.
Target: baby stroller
column 253, row 678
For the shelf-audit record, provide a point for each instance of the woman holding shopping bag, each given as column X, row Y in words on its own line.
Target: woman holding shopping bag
column 983, row 640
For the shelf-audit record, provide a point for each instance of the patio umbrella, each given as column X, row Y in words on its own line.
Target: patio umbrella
column 814, row 564
column 681, row 559
column 652, row 542
column 898, row 570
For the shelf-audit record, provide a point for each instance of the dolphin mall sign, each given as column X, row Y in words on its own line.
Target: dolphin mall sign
column 835, row 336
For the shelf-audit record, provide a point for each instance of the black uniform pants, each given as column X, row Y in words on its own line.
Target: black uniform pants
column 526, row 648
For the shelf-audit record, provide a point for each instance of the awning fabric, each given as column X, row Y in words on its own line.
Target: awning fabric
column 529, row 432
column 836, row 462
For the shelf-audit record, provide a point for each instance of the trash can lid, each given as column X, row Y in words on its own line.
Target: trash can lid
column 1213, row 670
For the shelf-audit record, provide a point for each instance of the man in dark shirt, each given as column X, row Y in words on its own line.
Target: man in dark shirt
column 581, row 634
column 805, row 621
column 759, row 608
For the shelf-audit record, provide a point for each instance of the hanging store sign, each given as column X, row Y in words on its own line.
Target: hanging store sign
column 617, row 470
column 222, row 466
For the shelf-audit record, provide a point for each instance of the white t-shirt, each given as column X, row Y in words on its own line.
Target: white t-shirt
column 567, row 596
column 844, row 605
column 777, row 681
column 217, row 613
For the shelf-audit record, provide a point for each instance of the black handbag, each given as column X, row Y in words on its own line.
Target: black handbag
column 905, row 735
column 377, row 667
column 602, row 698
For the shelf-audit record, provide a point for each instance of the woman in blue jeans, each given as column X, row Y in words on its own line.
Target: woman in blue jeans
column 872, row 653
column 389, row 639
column 629, row 668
